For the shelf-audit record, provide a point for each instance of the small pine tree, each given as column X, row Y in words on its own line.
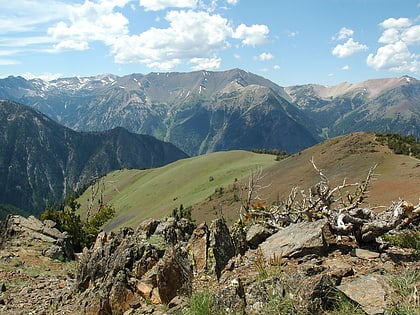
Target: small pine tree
column 82, row 233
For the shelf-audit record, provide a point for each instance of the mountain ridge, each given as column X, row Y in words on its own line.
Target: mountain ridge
column 205, row 111
column 197, row 111
column 137, row 196
column 41, row 162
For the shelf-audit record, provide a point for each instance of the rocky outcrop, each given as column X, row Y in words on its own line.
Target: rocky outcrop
column 154, row 264
column 56, row 245
column 156, row 268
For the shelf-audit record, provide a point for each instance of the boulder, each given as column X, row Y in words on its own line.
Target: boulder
column 221, row 247
column 297, row 240
column 257, row 234
column 369, row 291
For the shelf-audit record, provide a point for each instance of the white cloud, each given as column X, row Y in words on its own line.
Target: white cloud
column 190, row 35
column 46, row 76
column 395, row 23
column 156, row 5
column 276, row 67
column 395, row 55
column 348, row 48
column 411, row 35
column 26, row 15
column 69, row 44
column 206, row 63
column 344, row 33
column 8, row 62
column 252, row 35
column 265, row 56
column 292, row 33
column 91, row 21
column 194, row 34
column 345, row 68
column 390, row 36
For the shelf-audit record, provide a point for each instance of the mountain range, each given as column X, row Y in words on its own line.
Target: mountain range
column 198, row 112
column 206, row 111
column 41, row 161
column 386, row 105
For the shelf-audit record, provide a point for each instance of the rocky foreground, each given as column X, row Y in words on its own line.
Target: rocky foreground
column 156, row 268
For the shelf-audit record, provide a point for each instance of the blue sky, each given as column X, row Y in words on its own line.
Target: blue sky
column 287, row 41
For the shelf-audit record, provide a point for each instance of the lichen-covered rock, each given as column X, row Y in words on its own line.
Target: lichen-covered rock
column 369, row 291
column 231, row 297
column 297, row 240
column 257, row 234
column 132, row 267
column 198, row 246
column 56, row 245
column 221, row 248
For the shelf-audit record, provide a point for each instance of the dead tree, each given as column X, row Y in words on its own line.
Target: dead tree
column 343, row 209
column 253, row 190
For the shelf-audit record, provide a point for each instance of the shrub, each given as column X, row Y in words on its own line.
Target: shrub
column 406, row 239
column 82, row 233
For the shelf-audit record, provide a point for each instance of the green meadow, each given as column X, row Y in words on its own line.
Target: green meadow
column 140, row 194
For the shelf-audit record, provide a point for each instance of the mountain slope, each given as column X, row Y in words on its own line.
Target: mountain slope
column 390, row 105
column 138, row 195
column 198, row 111
column 41, row 161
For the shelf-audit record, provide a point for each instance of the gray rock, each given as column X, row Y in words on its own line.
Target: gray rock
column 221, row 245
column 297, row 240
column 369, row 291
column 198, row 247
column 57, row 244
column 365, row 254
column 257, row 234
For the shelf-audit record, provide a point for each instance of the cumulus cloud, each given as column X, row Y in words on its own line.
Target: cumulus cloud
column 345, row 68
column 193, row 35
column 395, row 23
column 252, row 35
column 344, row 33
column 190, row 35
column 265, row 56
column 206, row 63
column 91, row 21
column 156, row 5
column 348, row 48
column 395, row 55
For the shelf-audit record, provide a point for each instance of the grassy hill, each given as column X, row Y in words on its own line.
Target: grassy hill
column 140, row 194
column 154, row 193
